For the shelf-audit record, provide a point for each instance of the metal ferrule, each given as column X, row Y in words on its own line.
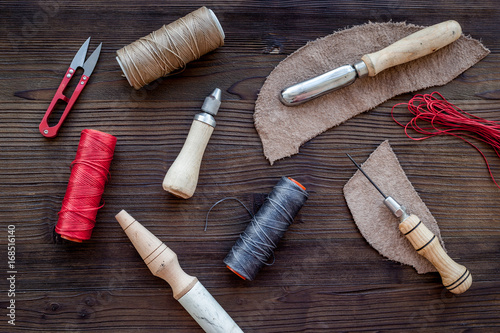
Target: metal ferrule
column 395, row 207
column 212, row 102
column 205, row 118
column 361, row 68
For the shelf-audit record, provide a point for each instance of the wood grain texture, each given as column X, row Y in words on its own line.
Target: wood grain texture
column 326, row 277
column 456, row 278
column 412, row 47
column 182, row 176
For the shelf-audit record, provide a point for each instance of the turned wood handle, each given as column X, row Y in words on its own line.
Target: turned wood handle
column 414, row 46
column 163, row 263
column 160, row 259
column 207, row 312
column 182, row 177
column 456, row 278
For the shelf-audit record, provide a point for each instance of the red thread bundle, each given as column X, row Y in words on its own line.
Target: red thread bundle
column 89, row 174
column 447, row 119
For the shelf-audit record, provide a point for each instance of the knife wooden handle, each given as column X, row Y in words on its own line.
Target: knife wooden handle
column 456, row 278
column 414, row 46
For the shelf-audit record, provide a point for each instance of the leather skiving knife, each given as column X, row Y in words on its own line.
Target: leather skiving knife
column 414, row 46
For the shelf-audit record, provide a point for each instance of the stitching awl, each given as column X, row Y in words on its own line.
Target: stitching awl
column 455, row 277
column 182, row 177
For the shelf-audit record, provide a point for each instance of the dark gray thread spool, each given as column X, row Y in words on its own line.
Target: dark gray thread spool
column 256, row 244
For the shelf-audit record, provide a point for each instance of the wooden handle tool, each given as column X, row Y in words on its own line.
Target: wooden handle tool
column 163, row 263
column 182, row 177
column 456, row 278
column 414, row 46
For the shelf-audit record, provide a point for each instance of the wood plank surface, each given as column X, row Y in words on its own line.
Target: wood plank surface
column 326, row 277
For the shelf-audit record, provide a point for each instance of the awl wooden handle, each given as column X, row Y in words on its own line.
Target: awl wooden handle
column 414, row 46
column 182, row 177
column 456, row 278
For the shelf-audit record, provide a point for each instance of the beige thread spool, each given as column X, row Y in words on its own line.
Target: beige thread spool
column 171, row 47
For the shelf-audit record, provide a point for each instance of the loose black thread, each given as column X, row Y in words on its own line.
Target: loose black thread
column 255, row 246
column 218, row 202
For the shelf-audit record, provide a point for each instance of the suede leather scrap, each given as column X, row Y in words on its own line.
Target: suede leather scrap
column 283, row 129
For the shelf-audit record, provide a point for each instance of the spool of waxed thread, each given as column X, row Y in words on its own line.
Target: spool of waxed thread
column 171, row 47
column 89, row 174
column 256, row 244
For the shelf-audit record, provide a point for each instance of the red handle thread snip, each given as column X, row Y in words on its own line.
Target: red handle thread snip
column 51, row 131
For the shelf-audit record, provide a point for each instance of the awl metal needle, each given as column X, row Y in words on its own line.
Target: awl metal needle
column 456, row 278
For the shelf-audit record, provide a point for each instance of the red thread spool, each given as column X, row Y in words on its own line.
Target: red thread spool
column 444, row 118
column 89, row 174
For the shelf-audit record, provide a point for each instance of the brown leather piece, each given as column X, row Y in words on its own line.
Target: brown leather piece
column 284, row 129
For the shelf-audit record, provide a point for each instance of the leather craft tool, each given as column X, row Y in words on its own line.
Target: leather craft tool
column 455, row 277
column 78, row 62
column 414, row 46
column 163, row 263
column 283, row 129
column 182, row 177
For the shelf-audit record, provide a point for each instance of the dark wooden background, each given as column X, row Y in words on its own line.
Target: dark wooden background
column 326, row 277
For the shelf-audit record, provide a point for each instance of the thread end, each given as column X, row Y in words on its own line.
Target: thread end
column 217, row 23
column 235, row 272
column 124, row 70
column 76, row 240
column 297, row 183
